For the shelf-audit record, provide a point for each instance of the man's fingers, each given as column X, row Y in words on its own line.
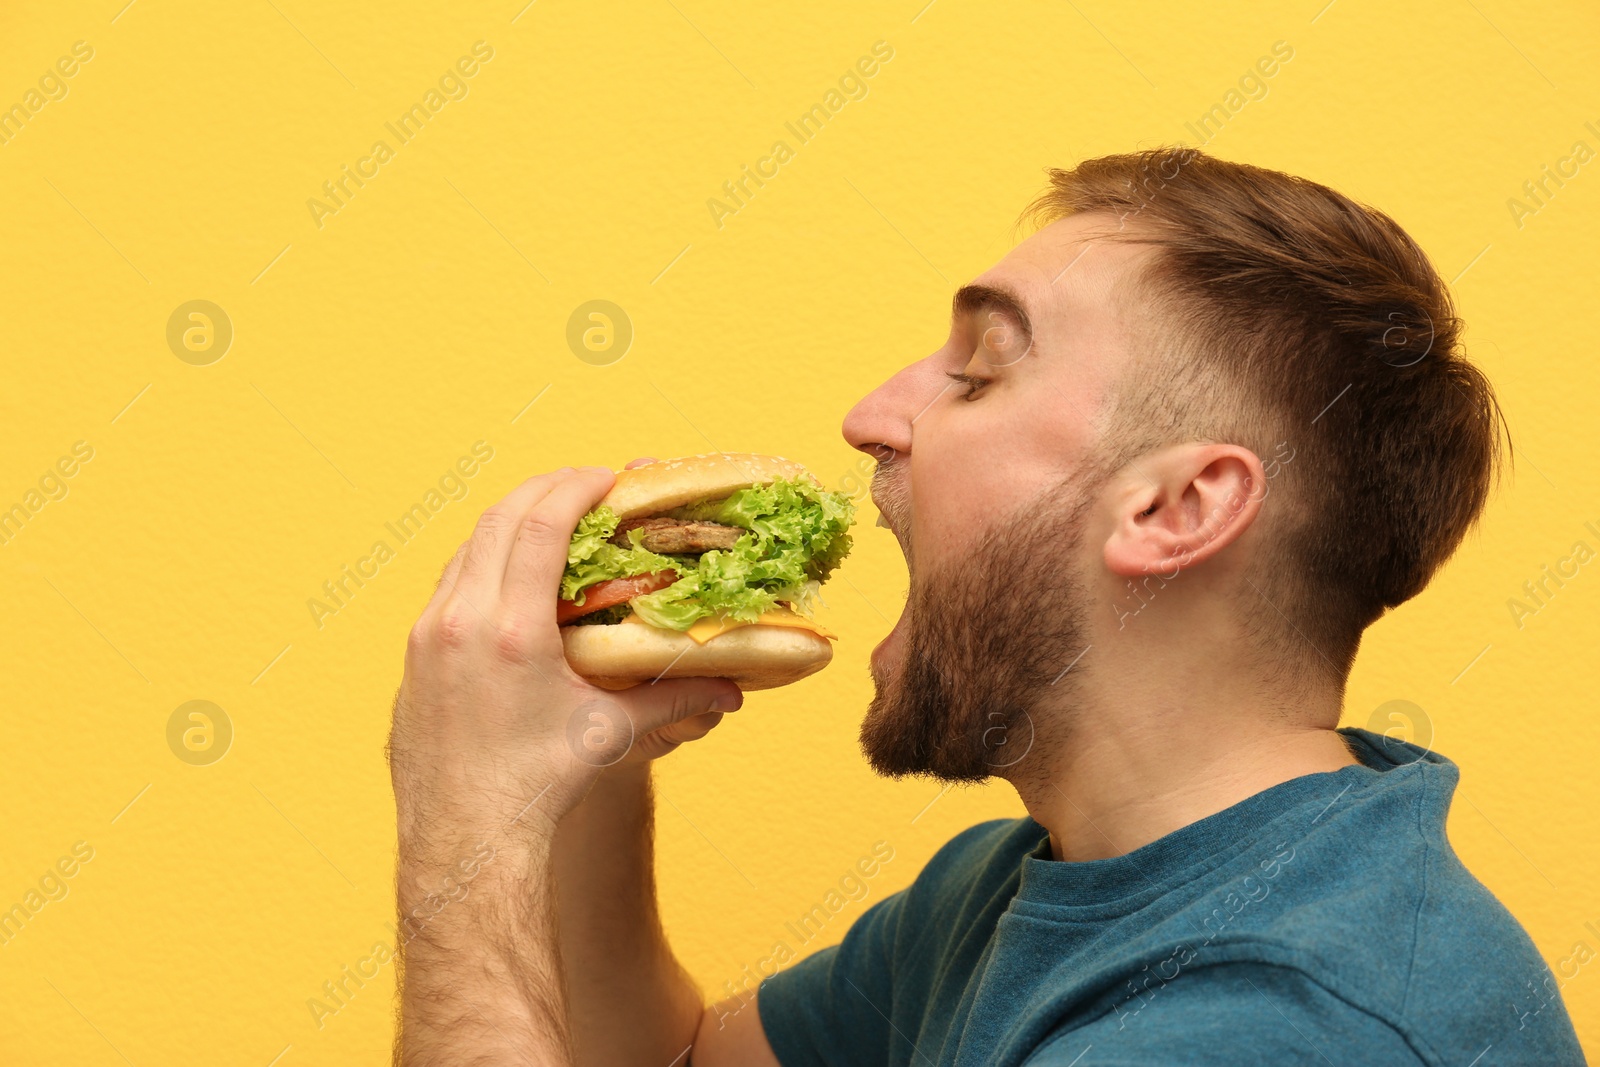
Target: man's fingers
column 538, row 551
column 654, row 705
column 693, row 728
column 483, row 564
column 641, row 461
column 664, row 740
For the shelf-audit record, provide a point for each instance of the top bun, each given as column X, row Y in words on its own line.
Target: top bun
column 671, row 483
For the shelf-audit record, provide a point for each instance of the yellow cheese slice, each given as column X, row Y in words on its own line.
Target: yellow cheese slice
column 706, row 629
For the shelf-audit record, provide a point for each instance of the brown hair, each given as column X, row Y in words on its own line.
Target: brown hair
column 1292, row 318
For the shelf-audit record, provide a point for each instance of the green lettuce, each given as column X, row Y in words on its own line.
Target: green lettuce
column 796, row 534
column 591, row 557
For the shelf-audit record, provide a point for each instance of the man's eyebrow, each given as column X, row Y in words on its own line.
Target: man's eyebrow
column 970, row 299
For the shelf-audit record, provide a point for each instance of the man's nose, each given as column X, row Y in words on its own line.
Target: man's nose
column 881, row 422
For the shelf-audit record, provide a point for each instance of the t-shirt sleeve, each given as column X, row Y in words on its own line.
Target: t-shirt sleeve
column 1232, row 1015
column 833, row 1008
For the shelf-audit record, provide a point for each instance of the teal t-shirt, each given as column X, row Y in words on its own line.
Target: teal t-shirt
column 1325, row 920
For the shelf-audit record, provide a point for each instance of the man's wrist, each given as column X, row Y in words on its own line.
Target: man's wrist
column 442, row 861
column 443, row 882
column 621, row 782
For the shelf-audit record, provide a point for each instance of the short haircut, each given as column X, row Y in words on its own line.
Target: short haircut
column 1284, row 312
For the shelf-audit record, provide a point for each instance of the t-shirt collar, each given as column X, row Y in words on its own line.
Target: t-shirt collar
column 1190, row 851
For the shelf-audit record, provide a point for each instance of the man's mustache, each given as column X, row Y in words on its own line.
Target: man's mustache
column 891, row 492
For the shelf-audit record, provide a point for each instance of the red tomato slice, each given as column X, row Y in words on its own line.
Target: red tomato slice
column 610, row 593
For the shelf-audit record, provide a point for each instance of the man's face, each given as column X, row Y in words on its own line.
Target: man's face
column 991, row 498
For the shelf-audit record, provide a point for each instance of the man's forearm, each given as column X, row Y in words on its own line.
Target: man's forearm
column 629, row 1001
column 480, row 970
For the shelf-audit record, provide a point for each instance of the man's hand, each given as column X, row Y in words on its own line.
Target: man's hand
column 494, row 740
column 492, row 729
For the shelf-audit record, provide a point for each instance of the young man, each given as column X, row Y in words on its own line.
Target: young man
column 1183, row 445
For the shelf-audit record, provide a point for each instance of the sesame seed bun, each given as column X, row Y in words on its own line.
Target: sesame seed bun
column 671, row 483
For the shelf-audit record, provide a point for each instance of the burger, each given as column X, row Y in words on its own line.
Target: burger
column 704, row 566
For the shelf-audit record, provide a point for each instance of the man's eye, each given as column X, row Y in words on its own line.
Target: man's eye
column 972, row 381
column 1002, row 344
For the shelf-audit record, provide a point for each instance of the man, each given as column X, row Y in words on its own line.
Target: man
column 1205, row 425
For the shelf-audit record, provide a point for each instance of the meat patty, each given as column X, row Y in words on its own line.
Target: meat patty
column 677, row 535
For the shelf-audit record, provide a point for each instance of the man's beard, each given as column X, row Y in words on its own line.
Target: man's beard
column 990, row 639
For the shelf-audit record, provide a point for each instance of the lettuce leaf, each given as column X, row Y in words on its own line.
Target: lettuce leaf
column 591, row 558
column 796, row 535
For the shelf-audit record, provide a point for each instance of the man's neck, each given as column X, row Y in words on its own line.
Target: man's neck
column 1128, row 776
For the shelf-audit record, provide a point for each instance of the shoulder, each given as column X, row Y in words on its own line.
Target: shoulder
column 984, row 858
column 984, row 842
column 1377, row 909
column 835, row 1005
column 962, row 890
column 1245, row 1014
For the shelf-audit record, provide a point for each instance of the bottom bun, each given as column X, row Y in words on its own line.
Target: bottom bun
column 753, row 657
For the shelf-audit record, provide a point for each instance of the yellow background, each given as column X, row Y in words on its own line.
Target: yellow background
column 370, row 353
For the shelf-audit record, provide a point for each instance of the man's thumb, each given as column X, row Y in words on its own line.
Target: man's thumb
column 653, row 705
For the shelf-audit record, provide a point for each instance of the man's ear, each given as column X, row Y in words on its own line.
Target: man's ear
column 1181, row 506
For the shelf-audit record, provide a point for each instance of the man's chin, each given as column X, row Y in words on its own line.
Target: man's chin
column 884, row 718
column 886, row 654
column 911, row 724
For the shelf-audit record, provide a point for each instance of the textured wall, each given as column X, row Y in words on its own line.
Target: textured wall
column 377, row 337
